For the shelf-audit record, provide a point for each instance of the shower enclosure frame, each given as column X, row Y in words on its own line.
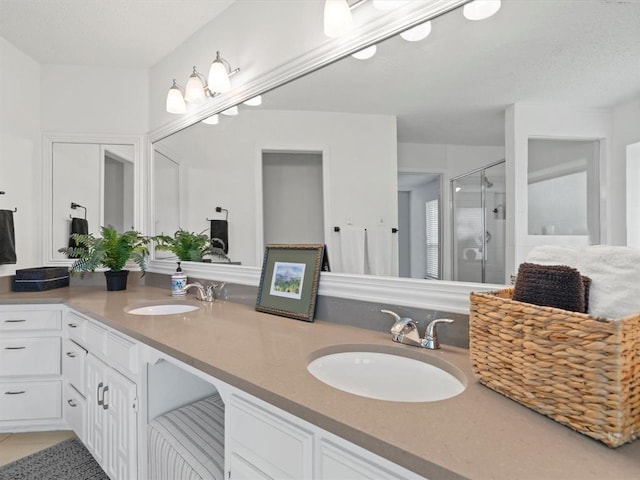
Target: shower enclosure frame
column 483, row 197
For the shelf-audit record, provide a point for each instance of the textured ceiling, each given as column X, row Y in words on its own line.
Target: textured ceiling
column 110, row 33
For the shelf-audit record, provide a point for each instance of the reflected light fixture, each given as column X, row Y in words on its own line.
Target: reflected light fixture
column 254, row 102
column 198, row 88
column 175, row 100
column 212, row 120
column 231, row 111
column 337, row 18
column 417, row 33
column 481, row 9
column 384, row 5
column 365, row 53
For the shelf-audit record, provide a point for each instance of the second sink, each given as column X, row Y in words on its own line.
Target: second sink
column 385, row 376
column 163, row 309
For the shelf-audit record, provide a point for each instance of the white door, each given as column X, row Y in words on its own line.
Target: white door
column 95, row 384
column 120, row 413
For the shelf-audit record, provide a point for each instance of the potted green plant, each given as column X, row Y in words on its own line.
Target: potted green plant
column 113, row 250
column 189, row 246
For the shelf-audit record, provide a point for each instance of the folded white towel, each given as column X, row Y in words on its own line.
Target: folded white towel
column 379, row 250
column 614, row 272
column 554, row 255
column 352, row 245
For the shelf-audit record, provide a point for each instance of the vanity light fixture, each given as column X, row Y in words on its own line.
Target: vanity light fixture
column 481, row 9
column 254, row 101
column 175, row 100
column 417, row 33
column 199, row 88
column 365, row 53
column 212, row 120
column 231, row 111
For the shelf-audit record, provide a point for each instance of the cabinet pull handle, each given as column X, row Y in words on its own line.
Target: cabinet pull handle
column 17, row 320
column 105, row 405
column 14, row 348
column 71, row 354
column 72, row 325
column 72, row 403
column 100, row 400
column 15, row 393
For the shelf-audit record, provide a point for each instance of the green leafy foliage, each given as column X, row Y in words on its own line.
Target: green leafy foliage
column 112, row 250
column 189, row 246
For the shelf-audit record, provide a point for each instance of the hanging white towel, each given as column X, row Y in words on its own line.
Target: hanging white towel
column 352, row 242
column 379, row 250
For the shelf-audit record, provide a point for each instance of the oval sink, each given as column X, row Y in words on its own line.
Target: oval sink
column 164, row 309
column 385, row 376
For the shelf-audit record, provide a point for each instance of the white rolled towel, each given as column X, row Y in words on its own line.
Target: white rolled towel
column 614, row 272
column 554, row 255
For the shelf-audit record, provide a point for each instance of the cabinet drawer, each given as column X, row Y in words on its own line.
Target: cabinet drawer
column 73, row 358
column 95, row 337
column 122, row 352
column 30, row 400
column 75, row 410
column 74, row 325
column 30, row 356
column 16, row 320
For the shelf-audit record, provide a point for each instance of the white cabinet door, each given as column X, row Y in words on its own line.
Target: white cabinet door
column 120, row 409
column 96, row 428
column 242, row 469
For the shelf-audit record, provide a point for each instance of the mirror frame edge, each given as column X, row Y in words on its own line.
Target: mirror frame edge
column 439, row 295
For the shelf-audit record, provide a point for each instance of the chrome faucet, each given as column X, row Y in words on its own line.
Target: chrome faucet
column 204, row 293
column 405, row 330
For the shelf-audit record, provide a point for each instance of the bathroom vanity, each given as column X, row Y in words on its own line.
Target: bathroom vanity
column 280, row 421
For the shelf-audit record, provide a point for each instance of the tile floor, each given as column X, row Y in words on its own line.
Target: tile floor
column 17, row 445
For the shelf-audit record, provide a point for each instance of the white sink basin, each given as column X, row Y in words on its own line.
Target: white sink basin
column 164, row 309
column 386, row 377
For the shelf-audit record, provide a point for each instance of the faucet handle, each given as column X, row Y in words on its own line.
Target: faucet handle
column 405, row 330
column 431, row 338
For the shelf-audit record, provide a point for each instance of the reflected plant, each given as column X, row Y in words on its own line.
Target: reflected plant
column 189, row 246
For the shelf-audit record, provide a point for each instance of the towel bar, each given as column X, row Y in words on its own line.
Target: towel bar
column 393, row 229
column 75, row 205
column 2, row 193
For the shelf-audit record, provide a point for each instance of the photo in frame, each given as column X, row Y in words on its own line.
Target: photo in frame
column 289, row 280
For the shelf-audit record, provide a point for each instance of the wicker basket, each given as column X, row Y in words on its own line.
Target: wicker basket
column 578, row 370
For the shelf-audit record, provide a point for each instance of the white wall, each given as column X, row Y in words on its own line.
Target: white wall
column 20, row 151
column 221, row 167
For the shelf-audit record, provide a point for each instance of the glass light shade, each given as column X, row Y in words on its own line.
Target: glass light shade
column 365, row 53
column 175, row 100
column 212, row 120
column 337, row 17
column 194, row 91
column 255, row 101
column 231, row 111
column 218, row 77
column 388, row 4
column 481, row 9
column 417, row 33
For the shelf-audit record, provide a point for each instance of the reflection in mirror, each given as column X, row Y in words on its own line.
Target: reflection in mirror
column 633, row 195
column 97, row 177
column 436, row 106
column 166, row 194
column 562, row 178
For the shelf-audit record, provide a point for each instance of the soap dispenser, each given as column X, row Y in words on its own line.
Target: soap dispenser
column 178, row 282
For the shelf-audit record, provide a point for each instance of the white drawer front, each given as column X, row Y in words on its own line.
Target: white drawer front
column 75, row 326
column 30, row 320
column 30, row 356
column 122, row 351
column 75, row 410
column 30, row 400
column 73, row 358
column 95, row 337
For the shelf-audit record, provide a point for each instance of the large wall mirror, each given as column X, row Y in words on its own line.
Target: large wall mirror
column 92, row 179
column 433, row 108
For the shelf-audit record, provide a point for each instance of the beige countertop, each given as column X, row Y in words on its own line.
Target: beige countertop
column 479, row 434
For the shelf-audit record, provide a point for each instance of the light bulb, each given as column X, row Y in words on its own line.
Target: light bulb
column 337, row 17
column 365, row 53
column 231, row 111
column 212, row 120
column 417, row 33
column 481, row 9
column 255, row 101
column 218, row 76
column 175, row 100
column 194, row 91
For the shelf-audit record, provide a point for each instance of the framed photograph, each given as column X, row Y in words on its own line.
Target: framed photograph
column 289, row 280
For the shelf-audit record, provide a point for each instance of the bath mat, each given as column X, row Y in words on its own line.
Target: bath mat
column 68, row 460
